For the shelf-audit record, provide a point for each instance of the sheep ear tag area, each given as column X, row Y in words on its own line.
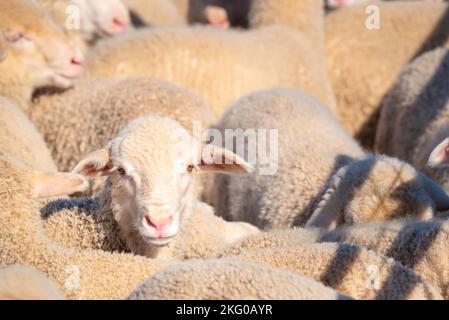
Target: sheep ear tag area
column 440, row 155
column 215, row 159
column 58, row 184
column 95, row 164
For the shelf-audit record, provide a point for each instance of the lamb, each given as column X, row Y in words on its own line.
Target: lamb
column 304, row 179
column 23, row 283
column 102, row 108
column 275, row 53
column 38, row 52
column 19, row 137
column 80, row 274
column 419, row 245
column 377, row 55
column 150, row 193
column 96, row 18
column 197, row 280
column 413, row 118
column 349, row 269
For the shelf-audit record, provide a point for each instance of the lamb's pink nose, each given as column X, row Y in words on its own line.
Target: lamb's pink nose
column 120, row 25
column 159, row 223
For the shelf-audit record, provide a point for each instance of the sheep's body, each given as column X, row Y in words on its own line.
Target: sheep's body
column 263, row 200
column 230, row 279
column 80, row 274
column 223, row 65
column 154, row 12
column 84, row 223
column 352, row 270
column 99, row 109
column 377, row 56
column 354, row 187
column 19, row 137
column 421, row 246
column 19, row 282
column 273, row 239
column 413, row 119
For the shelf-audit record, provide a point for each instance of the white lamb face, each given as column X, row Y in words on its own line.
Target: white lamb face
column 35, row 42
column 103, row 17
column 151, row 166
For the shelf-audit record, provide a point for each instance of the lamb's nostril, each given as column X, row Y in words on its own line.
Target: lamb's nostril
column 158, row 224
column 77, row 61
column 120, row 24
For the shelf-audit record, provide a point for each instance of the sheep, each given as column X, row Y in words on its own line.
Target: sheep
column 87, row 20
column 19, row 282
column 149, row 221
column 412, row 121
column 102, row 108
column 230, row 279
column 377, row 56
column 316, row 173
column 80, row 274
column 349, row 269
column 19, row 137
column 419, row 245
column 222, row 66
column 38, row 53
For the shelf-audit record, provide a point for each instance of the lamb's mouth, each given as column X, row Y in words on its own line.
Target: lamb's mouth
column 159, row 241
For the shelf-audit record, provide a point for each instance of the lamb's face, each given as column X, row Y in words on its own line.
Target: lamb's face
column 153, row 181
column 151, row 166
column 103, row 17
column 38, row 44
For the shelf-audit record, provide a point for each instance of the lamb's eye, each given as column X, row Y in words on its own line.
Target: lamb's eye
column 190, row 168
column 121, row 171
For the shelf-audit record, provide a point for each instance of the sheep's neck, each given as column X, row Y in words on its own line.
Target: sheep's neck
column 15, row 86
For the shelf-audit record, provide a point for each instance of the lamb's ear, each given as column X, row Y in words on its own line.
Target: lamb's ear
column 216, row 16
column 440, row 155
column 329, row 214
column 58, row 184
column 95, row 164
column 216, row 159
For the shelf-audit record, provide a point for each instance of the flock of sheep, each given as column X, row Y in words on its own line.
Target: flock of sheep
column 107, row 193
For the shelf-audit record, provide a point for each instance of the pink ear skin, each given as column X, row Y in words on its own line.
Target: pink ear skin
column 94, row 165
column 217, row 16
column 440, row 155
column 57, row 184
column 215, row 159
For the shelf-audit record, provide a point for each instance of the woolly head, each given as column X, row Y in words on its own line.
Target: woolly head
column 36, row 43
column 378, row 188
column 102, row 18
column 151, row 166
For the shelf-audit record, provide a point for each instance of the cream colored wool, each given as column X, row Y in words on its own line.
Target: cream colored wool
column 274, row 239
column 155, row 12
column 88, row 116
column 413, row 119
column 230, row 279
column 320, row 169
column 80, row 274
column 421, row 246
column 221, row 65
column 37, row 63
column 83, row 223
column 19, row 282
column 146, row 148
column 19, row 137
column 352, row 270
column 364, row 64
